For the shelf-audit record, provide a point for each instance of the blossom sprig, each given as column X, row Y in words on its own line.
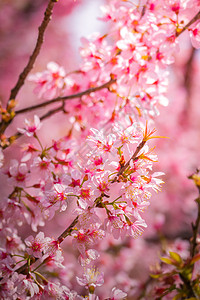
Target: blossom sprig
column 31, row 127
column 148, row 134
column 124, row 32
column 91, row 279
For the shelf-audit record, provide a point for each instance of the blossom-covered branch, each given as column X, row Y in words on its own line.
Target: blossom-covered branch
column 64, row 98
column 24, row 268
column 99, row 176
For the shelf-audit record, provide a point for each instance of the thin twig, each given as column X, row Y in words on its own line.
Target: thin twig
column 32, row 59
column 195, row 228
column 193, row 241
column 133, row 157
column 66, row 232
column 64, row 98
column 53, row 111
column 36, row 51
column 23, row 269
column 144, row 9
column 194, row 19
column 17, row 135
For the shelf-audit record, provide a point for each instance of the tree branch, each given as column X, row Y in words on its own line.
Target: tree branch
column 55, row 110
column 24, row 269
column 17, row 135
column 32, row 59
column 64, row 98
column 195, row 227
column 133, row 157
column 194, row 19
column 36, row 51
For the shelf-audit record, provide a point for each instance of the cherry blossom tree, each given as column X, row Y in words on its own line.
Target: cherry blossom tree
column 74, row 206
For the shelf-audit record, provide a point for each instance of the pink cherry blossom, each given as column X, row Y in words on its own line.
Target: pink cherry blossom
column 53, row 253
column 88, row 256
column 31, row 286
column 6, row 266
column 117, row 294
column 85, row 238
column 49, row 82
column 114, row 225
column 18, row 172
column 195, row 35
column 91, row 278
column 37, row 245
column 135, row 228
column 55, row 290
column 102, row 142
column 31, row 127
column 92, row 184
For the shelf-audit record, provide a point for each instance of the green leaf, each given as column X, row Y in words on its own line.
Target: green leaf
column 175, row 256
column 168, row 261
column 178, row 296
column 155, row 276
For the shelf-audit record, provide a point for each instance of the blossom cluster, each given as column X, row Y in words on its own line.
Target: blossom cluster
column 101, row 173
column 111, row 191
column 136, row 52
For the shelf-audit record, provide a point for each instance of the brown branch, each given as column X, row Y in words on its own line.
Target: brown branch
column 32, row 59
column 195, row 228
column 64, row 98
column 144, row 9
column 17, row 135
column 193, row 241
column 36, row 51
column 188, row 285
column 194, row 19
column 133, row 157
column 68, row 230
column 24, row 269
column 53, row 111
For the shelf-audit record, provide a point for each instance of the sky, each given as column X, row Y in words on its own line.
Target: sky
column 83, row 21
